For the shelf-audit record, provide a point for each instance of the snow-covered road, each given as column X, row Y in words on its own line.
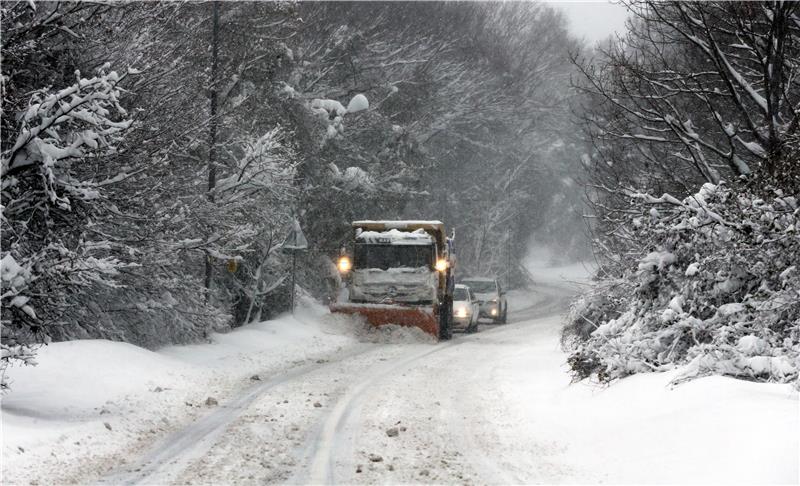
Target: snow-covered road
column 426, row 391
column 442, row 402
column 495, row 407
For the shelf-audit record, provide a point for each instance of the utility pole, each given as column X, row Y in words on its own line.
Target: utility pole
column 212, row 149
column 212, row 135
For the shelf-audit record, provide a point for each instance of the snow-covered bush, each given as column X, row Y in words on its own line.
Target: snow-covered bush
column 600, row 303
column 716, row 290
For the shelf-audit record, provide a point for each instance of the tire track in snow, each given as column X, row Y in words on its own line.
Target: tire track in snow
column 173, row 454
column 332, row 443
column 331, row 440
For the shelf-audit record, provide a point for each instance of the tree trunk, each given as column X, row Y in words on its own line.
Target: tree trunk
column 212, row 134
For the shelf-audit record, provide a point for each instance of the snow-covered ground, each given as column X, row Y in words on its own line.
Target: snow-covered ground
column 336, row 404
column 90, row 405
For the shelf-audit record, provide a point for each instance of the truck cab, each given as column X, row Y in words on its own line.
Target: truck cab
column 399, row 272
column 394, row 267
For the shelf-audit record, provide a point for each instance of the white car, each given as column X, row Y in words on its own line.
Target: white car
column 465, row 309
column 490, row 296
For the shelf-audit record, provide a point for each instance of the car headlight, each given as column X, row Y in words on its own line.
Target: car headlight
column 494, row 311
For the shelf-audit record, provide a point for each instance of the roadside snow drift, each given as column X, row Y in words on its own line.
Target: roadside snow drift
column 89, row 404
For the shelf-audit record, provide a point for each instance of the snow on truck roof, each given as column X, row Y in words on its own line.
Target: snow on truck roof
column 434, row 228
column 395, row 237
column 397, row 224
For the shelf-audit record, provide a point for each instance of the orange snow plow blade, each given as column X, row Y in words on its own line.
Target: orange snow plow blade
column 380, row 314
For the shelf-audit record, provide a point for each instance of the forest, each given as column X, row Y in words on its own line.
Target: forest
column 156, row 154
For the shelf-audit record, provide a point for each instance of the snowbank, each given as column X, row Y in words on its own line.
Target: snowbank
column 74, row 379
column 89, row 403
column 641, row 430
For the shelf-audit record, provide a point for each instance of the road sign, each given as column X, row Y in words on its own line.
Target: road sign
column 295, row 241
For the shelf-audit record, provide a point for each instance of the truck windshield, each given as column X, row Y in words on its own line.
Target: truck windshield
column 481, row 286
column 460, row 293
column 385, row 257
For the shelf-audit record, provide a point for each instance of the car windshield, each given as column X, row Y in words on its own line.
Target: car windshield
column 481, row 286
column 393, row 256
column 460, row 293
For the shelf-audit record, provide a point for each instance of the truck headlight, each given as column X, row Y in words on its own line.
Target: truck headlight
column 461, row 312
column 494, row 311
column 344, row 264
column 441, row 265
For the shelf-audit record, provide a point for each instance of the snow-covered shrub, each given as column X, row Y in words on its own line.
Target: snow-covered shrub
column 717, row 289
column 600, row 303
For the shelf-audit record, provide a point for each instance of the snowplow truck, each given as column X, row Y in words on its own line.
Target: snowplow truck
column 399, row 272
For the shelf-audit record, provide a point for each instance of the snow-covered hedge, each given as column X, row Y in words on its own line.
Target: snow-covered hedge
column 716, row 290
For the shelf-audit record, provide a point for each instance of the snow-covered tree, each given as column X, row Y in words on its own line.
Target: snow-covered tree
column 50, row 197
column 708, row 88
column 693, row 180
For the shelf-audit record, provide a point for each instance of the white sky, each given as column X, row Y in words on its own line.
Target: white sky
column 595, row 20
